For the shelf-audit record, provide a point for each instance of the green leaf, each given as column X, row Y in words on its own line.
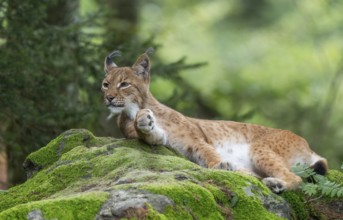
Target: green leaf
column 234, row 200
column 340, row 192
column 302, row 170
column 310, row 189
column 319, row 179
column 322, row 186
column 334, row 192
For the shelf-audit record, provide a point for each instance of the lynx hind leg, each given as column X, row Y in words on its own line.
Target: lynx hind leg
column 276, row 185
column 147, row 128
column 279, row 177
column 223, row 166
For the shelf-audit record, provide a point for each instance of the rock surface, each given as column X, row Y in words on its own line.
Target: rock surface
column 80, row 176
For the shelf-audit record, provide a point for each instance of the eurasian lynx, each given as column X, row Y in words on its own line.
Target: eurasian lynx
column 265, row 152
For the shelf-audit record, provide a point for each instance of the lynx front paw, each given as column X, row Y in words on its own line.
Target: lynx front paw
column 145, row 121
column 274, row 184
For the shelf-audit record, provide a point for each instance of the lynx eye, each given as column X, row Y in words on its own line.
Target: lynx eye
column 105, row 85
column 124, row 85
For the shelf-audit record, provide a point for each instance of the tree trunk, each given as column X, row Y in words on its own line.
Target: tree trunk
column 3, row 160
column 3, row 170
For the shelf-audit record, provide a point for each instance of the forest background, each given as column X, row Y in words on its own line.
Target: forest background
column 275, row 63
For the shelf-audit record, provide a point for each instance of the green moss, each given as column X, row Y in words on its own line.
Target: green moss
column 153, row 214
column 224, row 198
column 62, row 144
column 335, row 176
column 211, row 198
column 189, row 198
column 251, row 208
column 77, row 162
column 81, row 165
column 221, row 194
column 75, row 207
column 141, row 146
column 100, row 141
column 234, row 180
column 45, row 183
column 298, row 205
column 247, row 207
column 178, row 213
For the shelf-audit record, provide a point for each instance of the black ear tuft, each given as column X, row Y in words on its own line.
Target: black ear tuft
column 108, row 60
column 149, row 51
column 115, row 53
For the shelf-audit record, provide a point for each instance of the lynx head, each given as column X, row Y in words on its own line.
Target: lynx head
column 126, row 88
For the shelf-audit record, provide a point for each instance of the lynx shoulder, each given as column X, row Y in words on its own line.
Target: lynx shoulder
column 264, row 152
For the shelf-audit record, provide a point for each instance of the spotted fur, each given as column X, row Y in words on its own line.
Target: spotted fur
column 265, row 152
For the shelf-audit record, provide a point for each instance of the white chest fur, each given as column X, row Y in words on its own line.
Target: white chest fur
column 236, row 154
column 131, row 110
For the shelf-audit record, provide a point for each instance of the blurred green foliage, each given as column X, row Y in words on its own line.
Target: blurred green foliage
column 275, row 63
column 45, row 79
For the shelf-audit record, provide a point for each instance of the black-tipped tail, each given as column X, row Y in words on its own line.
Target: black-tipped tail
column 320, row 167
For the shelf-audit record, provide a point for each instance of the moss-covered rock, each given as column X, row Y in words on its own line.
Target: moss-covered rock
column 80, row 176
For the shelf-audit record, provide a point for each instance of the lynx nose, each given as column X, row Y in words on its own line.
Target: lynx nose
column 110, row 98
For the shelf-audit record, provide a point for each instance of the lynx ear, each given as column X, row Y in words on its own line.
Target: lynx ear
column 109, row 64
column 142, row 65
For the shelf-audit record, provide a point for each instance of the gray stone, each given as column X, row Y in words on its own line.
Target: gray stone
column 35, row 215
column 130, row 203
column 271, row 202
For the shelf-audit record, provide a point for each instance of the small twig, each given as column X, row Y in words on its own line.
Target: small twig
column 310, row 200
